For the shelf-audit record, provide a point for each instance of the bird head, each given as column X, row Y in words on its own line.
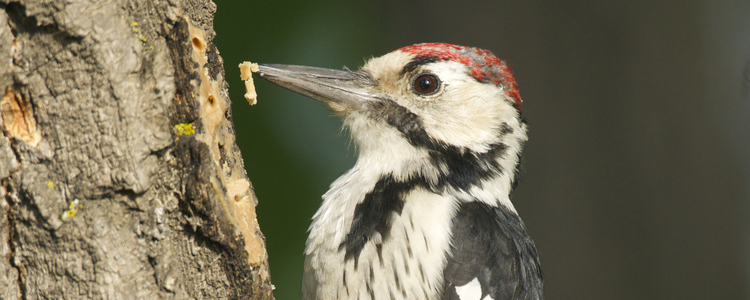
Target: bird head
column 425, row 104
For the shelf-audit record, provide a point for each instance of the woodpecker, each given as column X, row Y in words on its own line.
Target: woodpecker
column 425, row 213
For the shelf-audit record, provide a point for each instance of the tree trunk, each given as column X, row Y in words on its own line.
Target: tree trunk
column 119, row 173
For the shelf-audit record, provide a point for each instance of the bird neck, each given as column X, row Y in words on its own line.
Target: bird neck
column 485, row 172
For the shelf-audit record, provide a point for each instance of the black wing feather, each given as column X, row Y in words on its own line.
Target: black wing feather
column 492, row 245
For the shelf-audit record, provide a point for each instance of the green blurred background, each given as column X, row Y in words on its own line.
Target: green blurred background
column 636, row 181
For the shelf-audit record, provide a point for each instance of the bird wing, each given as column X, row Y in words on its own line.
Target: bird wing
column 493, row 256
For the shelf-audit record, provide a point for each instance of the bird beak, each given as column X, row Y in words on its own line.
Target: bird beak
column 339, row 89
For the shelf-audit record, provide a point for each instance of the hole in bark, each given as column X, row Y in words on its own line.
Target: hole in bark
column 211, row 100
column 198, row 43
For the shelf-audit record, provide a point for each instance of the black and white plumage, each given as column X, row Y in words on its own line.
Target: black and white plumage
column 425, row 212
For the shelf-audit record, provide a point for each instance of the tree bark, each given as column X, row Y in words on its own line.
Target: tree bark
column 119, row 173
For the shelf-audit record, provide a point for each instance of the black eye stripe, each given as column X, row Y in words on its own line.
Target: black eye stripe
column 426, row 84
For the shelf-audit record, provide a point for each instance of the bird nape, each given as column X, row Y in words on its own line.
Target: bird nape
column 425, row 212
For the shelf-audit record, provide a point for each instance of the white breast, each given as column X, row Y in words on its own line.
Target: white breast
column 415, row 248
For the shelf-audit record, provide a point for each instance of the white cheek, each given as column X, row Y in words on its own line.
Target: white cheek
column 384, row 150
column 468, row 116
column 466, row 113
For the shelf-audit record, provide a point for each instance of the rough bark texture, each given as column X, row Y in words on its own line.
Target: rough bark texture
column 120, row 176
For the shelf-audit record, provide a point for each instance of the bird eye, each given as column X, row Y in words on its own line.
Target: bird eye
column 426, row 84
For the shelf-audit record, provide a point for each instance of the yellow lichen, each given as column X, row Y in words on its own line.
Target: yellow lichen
column 71, row 211
column 50, row 184
column 139, row 34
column 184, row 129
